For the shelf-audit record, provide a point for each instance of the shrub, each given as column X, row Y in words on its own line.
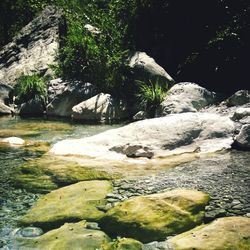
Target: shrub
column 30, row 87
column 151, row 95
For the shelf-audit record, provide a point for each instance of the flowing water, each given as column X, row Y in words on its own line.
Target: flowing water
column 14, row 202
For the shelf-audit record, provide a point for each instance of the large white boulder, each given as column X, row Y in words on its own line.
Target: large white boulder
column 186, row 97
column 158, row 137
column 101, row 107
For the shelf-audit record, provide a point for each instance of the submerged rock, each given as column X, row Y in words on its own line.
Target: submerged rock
column 101, row 107
column 72, row 203
column 14, row 141
column 47, row 173
column 186, row 97
column 224, row 234
column 73, row 236
column 165, row 136
column 154, row 217
column 123, row 244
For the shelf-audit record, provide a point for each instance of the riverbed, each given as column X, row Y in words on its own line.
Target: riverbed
column 224, row 175
column 14, row 202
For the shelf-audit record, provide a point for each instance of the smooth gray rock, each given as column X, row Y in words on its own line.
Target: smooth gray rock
column 239, row 98
column 242, row 140
column 186, row 97
column 165, row 136
column 241, row 113
column 6, row 94
column 146, row 68
column 34, row 48
column 5, row 110
column 34, row 107
column 101, row 107
column 72, row 94
column 141, row 115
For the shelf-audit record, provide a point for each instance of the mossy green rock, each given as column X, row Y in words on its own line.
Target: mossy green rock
column 153, row 217
column 76, row 202
column 231, row 233
column 123, row 244
column 68, row 237
column 47, row 173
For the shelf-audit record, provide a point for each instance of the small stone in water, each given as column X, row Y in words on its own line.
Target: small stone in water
column 30, row 232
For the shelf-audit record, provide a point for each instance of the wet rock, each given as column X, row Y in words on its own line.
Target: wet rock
column 156, row 216
column 239, row 98
column 223, row 234
column 186, row 97
column 34, row 48
column 13, row 141
column 29, row 232
column 100, row 108
column 69, row 236
column 45, row 174
column 72, row 203
column 123, row 244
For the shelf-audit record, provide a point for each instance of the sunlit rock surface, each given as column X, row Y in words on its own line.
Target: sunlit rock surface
column 73, row 236
column 76, row 202
column 48, row 173
column 153, row 217
column 34, row 48
column 186, row 97
column 224, row 234
column 13, row 141
column 158, row 137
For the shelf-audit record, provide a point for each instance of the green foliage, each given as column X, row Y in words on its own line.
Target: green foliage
column 29, row 87
column 151, row 95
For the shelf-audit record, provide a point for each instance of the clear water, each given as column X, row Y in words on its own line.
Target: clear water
column 15, row 202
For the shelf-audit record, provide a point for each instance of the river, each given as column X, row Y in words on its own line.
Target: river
column 14, row 202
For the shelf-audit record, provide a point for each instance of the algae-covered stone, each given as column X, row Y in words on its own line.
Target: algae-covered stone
column 123, row 244
column 69, row 236
column 231, row 233
column 72, row 203
column 153, row 217
column 47, row 173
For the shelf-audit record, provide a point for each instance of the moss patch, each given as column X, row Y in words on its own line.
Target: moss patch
column 123, row 244
column 153, row 217
column 230, row 233
column 69, row 236
column 69, row 204
column 48, row 173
